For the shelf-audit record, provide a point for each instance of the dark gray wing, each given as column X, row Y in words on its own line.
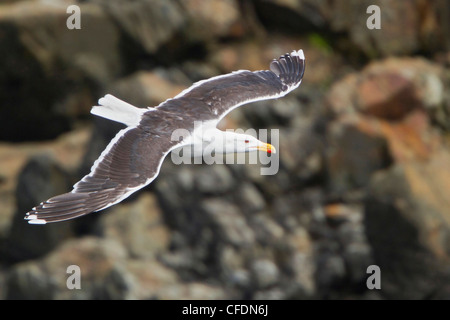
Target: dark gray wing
column 130, row 161
column 223, row 93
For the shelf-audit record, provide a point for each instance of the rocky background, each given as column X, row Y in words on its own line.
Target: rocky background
column 364, row 174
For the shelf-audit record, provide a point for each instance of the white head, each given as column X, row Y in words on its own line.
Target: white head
column 231, row 142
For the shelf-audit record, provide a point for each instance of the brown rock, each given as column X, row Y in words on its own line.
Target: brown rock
column 407, row 224
column 353, row 156
column 146, row 89
column 194, row 291
column 149, row 24
column 389, row 89
column 97, row 260
column 212, row 19
column 387, row 95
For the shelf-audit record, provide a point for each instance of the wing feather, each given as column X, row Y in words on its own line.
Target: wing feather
column 130, row 162
column 219, row 95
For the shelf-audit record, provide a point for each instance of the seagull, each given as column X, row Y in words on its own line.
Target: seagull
column 133, row 158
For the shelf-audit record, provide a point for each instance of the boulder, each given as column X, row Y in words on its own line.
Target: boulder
column 406, row 27
column 148, row 88
column 390, row 89
column 146, row 24
column 409, row 204
column 212, row 19
column 40, row 179
column 138, row 226
column 100, row 264
column 38, row 45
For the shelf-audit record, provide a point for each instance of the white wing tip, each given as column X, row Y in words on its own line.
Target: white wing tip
column 32, row 219
column 298, row 53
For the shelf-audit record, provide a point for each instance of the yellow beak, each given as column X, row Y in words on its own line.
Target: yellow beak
column 267, row 148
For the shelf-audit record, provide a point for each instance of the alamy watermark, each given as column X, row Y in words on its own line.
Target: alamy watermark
column 74, row 20
column 74, row 280
column 374, row 20
column 232, row 146
column 374, row 280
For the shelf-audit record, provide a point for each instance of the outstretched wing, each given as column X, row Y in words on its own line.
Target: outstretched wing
column 221, row 94
column 130, row 161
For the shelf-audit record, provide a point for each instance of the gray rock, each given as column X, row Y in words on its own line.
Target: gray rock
column 230, row 224
column 148, row 23
column 97, row 259
column 412, row 248
column 138, row 226
column 353, row 156
column 63, row 60
column 214, row 179
column 267, row 231
column 250, row 198
column 194, row 291
column 211, row 20
column 265, row 273
column 40, row 179
column 148, row 88
column 330, row 272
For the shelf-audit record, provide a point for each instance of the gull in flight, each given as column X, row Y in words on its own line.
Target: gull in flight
column 134, row 156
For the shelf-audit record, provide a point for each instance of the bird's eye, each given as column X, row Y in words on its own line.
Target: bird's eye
column 246, row 141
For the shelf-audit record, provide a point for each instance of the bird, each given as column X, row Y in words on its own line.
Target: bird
column 133, row 158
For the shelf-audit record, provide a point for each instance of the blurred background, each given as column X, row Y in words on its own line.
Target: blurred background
column 364, row 174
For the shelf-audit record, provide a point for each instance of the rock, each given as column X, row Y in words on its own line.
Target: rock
column 40, row 44
column 214, row 179
column 393, row 88
column 228, row 222
column 233, row 267
column 301, row 153
column 406, row 27
column 387, row 95
column 353, row 156
column 149, row 24
column 330, row 272
column 98, row 262
column 138, row 226
column 149, row 279
column 389, row 89
column 267, row 231
column 384, row 114
column 146, row 89
column 199, row 70
column 212, row 19
column 300, row 264
column 399, row 24
column 65, row 153
column 105, row 273
column 407, row 202
column 265, row 273
column 194, row 291
column 351, row 235
column 290, row 15
column 40, row 179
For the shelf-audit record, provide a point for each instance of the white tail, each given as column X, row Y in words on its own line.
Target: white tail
column 113, row 108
